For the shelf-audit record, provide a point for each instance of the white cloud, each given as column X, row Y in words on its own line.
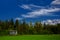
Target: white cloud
column 18, row 18
column 56, row 2
column 25, row 6
column 51, row 22
column 41, row 12
column 30, row 6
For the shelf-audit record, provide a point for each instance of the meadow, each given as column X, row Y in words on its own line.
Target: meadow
column 31, row 37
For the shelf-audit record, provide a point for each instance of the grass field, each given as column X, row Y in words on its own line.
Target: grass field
column 31, row 37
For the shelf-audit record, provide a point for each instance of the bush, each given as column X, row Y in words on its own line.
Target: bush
column 4, row 32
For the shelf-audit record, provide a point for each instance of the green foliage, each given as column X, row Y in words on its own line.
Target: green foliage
column 38, row 27
column 4, row 32
column 28, row 28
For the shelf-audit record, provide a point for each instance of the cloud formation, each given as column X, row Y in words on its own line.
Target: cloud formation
column 41, row 11
column 51, row 22
column 18, row 18
column 30, row 6
column 56, row 2
column 25, row 7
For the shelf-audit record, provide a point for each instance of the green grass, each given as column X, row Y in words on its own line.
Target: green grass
column 31, row 37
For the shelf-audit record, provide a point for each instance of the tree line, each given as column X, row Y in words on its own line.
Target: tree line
column 28, row 28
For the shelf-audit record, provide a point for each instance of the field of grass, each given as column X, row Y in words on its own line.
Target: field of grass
column 31, row 37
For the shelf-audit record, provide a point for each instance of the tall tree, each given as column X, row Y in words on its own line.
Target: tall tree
column 16, row 24
column 11, row 24
column 58, row 28
column 38, row 27
column 31, row 28
column 25, row 27
column 0, row 25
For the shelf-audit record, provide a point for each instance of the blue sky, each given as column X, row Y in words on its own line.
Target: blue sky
column 31, row 10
